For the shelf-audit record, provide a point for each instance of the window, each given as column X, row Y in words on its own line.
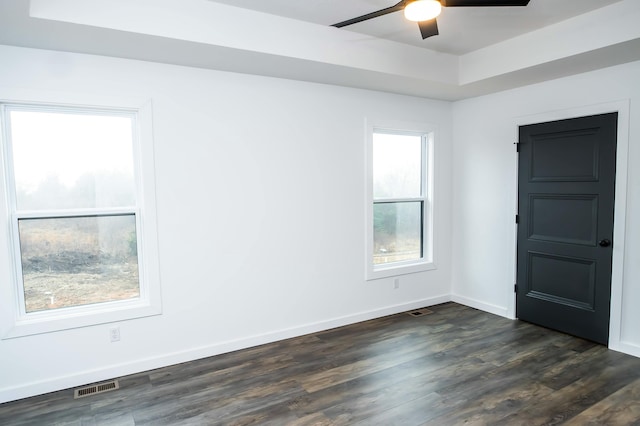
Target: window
column 399, row 207
column 73, row 187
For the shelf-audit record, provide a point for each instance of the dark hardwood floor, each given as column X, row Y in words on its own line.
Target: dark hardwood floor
column 453, row 366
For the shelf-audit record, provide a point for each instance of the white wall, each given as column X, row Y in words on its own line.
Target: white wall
column 260, row 196
column 260, row 208
column 485, row 183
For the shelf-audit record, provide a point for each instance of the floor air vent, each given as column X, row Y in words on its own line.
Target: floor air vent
column 420, row 312
column 96, row 389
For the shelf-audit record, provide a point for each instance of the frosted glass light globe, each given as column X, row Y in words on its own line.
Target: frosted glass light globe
column 422, row 10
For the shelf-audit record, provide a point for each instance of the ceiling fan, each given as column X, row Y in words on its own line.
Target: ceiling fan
column 424, row 12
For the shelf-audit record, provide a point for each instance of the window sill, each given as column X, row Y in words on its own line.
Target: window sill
column 68, row 318
column 393, row 270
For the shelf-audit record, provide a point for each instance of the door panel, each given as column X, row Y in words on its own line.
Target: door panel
column 547, row 280
column 565, row 156
column 545, row 211
column 566, row 184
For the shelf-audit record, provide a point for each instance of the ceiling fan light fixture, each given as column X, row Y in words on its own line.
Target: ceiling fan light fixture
column 422, row 10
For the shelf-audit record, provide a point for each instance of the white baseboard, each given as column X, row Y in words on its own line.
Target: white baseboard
column 486, row 307
column 627, row 348
column 141, row 365
column 137, row 366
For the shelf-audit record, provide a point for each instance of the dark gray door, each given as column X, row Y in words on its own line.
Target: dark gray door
column 566, row 183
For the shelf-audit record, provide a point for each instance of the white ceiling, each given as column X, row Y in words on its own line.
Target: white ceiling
column 462, row 29
column 480, row 50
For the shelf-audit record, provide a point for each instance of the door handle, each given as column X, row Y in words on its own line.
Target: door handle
column 604, row 243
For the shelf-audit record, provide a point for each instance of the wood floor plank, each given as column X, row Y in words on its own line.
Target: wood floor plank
column 620, row 408
column 454, row 366
column 564, row 404
column 491, row 407
column 575, row 367
column 411, row 413
column 386, row 388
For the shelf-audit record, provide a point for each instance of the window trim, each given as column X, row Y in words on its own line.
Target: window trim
column 14, row 321
column 428, row 133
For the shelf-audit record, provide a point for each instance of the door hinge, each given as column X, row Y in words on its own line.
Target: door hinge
column 515, row 288
column 517, row 218
column 517, row 144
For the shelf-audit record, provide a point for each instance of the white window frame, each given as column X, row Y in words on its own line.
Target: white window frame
column 14, row 320
column 426, row 262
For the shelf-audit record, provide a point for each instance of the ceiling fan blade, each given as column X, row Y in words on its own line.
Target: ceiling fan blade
column 428, row 28
column 371, row 15
column 478, row 3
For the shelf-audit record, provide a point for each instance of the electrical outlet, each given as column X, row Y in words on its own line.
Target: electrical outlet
column 114, row 334
column 396, row 283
